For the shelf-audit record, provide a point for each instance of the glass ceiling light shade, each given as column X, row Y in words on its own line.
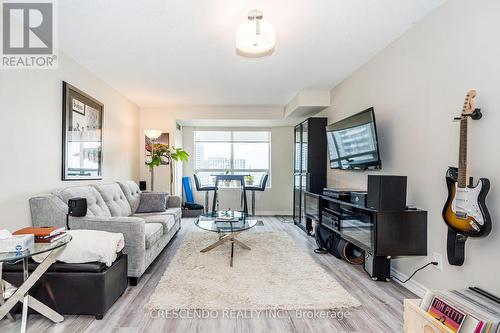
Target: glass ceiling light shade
column 255, row 38
column 153, row 134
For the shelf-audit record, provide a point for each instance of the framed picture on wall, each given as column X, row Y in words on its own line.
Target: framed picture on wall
column 82, row 118
column 163, row 139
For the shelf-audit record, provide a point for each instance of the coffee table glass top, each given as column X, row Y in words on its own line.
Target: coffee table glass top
column 37, row 248
column 222, row 221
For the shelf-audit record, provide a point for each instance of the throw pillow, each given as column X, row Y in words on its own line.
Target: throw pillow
column 152, row 202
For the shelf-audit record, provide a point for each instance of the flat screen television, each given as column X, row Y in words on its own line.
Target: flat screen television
column 353, row 143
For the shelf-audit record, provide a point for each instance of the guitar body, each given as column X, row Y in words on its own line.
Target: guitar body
column 465, row 211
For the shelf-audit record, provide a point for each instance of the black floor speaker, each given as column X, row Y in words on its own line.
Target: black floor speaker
column 379, row 268
column 386, row 192
column 142, row 185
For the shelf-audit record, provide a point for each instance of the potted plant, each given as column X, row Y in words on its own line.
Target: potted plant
column 249, row 179
column 162, row 152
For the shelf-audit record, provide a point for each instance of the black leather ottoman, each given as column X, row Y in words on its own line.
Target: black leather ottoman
column 75, row 289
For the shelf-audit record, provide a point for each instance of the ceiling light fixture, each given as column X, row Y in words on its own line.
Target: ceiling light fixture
column 255, row 38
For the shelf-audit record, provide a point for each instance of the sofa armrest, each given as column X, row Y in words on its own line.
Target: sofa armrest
column 48, row 210
column 174, row 201
column 132, row 229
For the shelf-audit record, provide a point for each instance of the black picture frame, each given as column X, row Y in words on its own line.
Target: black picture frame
column 82, row 127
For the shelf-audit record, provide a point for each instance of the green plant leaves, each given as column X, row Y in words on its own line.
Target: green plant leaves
column 169, row 153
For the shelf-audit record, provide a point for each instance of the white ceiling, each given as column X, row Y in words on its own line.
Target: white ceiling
column 171, row 52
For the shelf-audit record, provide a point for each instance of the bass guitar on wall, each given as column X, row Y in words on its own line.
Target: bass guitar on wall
column 465, row 211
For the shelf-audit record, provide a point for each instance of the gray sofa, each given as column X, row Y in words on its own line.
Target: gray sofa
column 111, row 207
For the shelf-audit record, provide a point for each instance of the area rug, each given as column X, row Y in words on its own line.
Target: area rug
column 274, row 274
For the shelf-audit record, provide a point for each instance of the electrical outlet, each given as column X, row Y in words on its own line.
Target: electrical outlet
column 437, row 257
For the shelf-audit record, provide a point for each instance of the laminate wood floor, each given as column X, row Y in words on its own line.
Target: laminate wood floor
column 381, row 310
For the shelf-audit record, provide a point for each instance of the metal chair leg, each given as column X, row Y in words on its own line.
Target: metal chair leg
column 245, row 204
column 253, row 203
column 214, row 201
column 206, row 202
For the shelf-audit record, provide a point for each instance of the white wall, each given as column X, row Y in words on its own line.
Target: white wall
column 30, row 134
column 417, row 85
column 156, row 119
column 276, row 200
column 165, row 118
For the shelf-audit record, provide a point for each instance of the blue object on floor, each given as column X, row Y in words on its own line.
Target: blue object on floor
column 189, row 205
column 188, row 191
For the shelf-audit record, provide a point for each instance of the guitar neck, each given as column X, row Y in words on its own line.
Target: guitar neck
column 462, row 158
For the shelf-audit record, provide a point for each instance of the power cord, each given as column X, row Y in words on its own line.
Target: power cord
column 435, row 263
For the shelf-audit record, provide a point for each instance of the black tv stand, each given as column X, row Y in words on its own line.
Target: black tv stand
column 382, row 235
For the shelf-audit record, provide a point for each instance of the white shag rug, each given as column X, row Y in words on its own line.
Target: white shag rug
column 274, row 274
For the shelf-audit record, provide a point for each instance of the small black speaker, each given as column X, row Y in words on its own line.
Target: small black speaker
column 77, row 207
column 386, row 192
column 142, row 185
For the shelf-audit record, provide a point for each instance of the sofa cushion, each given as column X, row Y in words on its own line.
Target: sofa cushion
column 115, row 199
column 132, row 193
column 174, row 201
column 152, row 202
column 153, row 232
column 95, row 203
column 175, row 212
column 167, row 221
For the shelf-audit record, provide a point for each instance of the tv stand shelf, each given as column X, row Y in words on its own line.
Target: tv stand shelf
column 378, row 232
column 381, row 234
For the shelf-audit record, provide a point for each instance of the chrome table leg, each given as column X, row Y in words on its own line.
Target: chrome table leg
column 24, row 320
column 230, row 237
column 2, row 289
column 21, row 294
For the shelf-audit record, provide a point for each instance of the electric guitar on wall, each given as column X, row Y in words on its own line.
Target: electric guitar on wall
column 465, row 211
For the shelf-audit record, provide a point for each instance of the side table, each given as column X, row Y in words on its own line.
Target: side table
column 22, row 293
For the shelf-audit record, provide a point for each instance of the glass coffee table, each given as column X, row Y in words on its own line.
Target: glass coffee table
column 228, row 225
column 53, row 250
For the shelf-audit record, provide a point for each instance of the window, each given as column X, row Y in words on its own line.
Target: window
column 236, row 152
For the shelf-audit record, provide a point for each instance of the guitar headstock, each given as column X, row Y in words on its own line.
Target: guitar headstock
column 469, row 103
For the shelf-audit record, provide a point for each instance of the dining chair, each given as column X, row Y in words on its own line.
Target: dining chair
column 204, row 188
column 261, row 187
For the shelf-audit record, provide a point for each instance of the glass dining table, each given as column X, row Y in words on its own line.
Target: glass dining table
column 230, row 178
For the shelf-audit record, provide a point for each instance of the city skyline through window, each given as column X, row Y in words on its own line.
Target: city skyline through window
column 233, row 152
